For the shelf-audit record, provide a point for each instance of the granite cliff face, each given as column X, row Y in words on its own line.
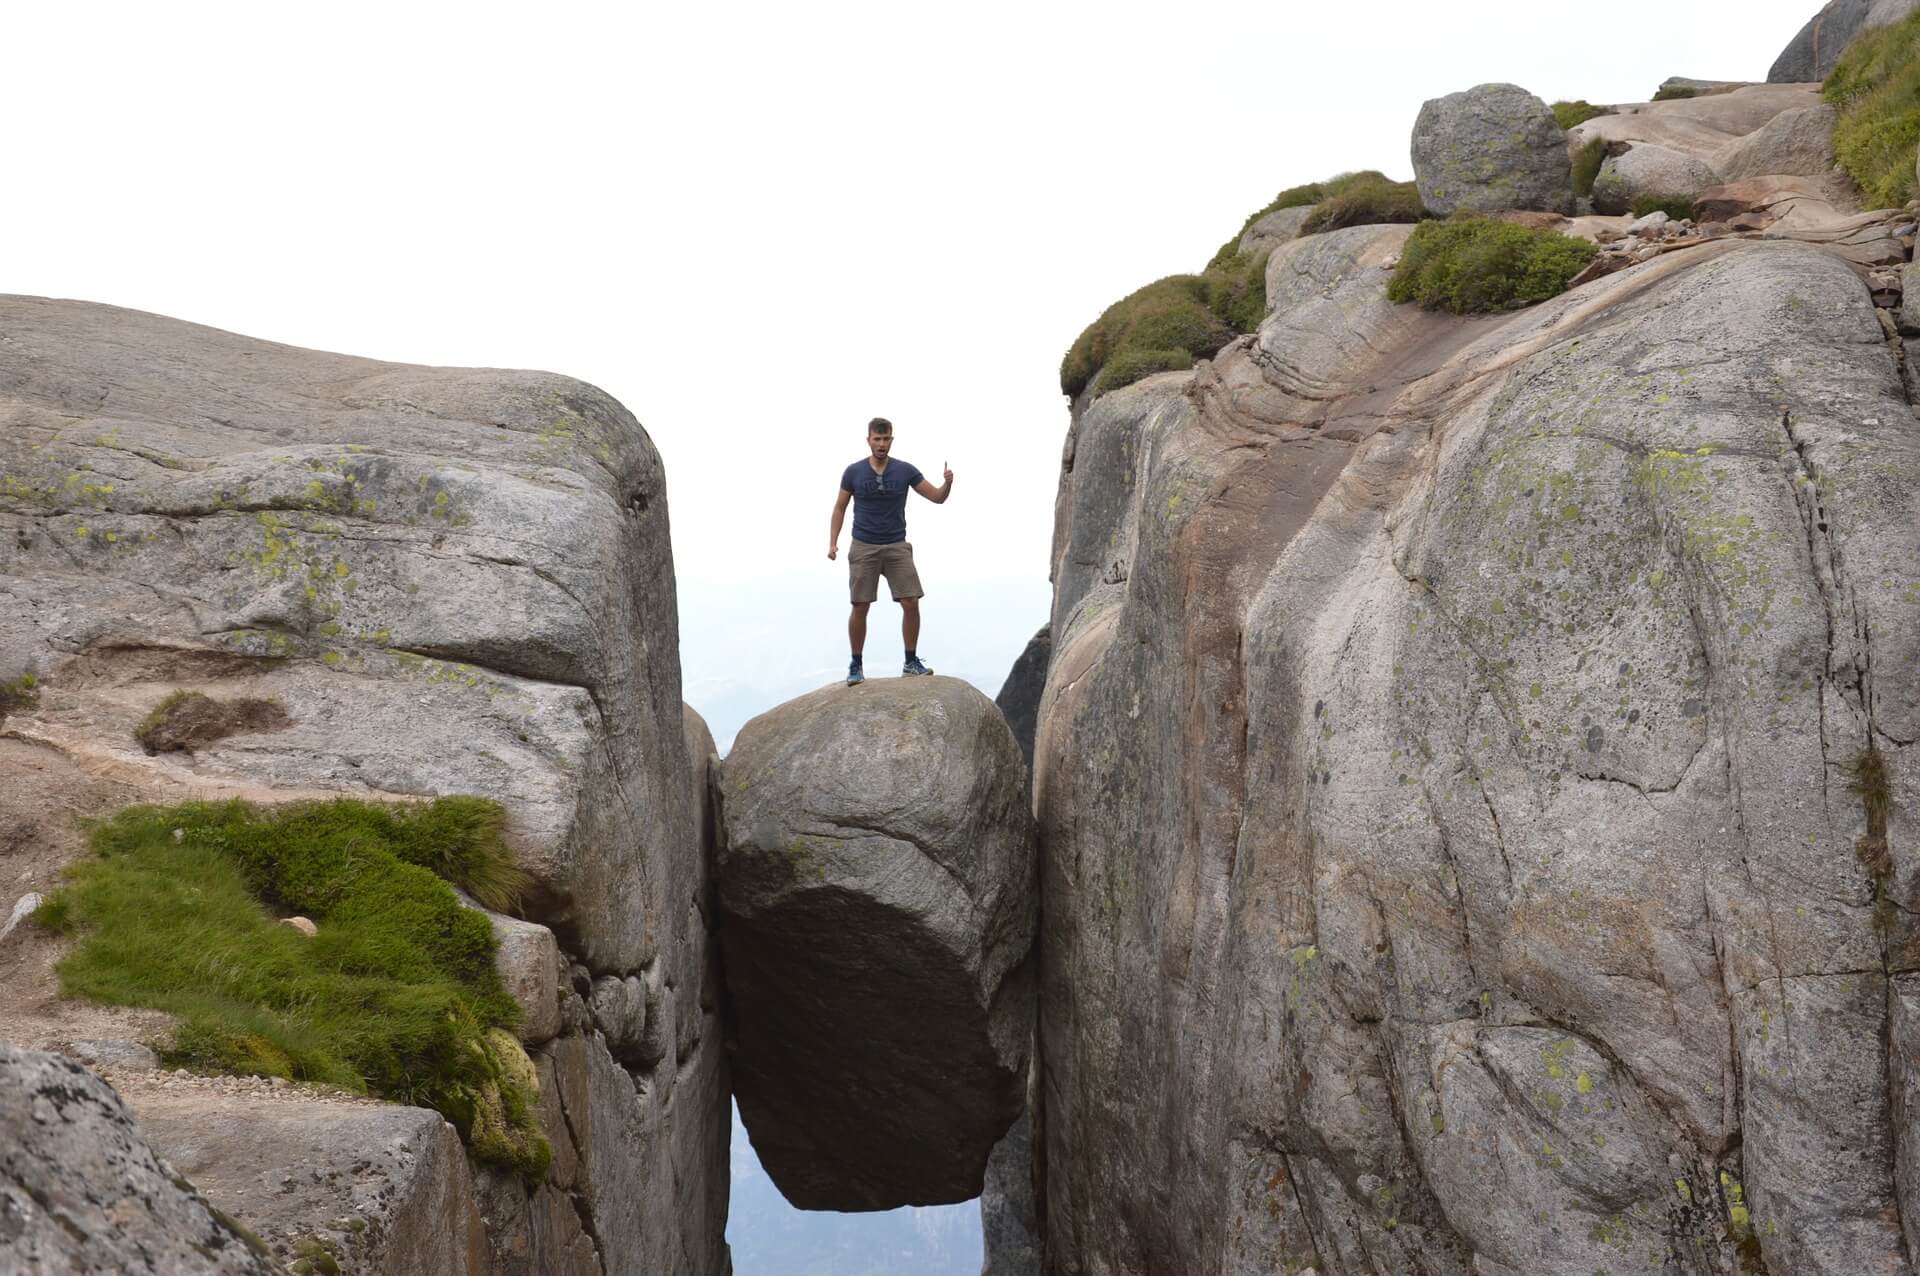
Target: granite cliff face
column 450, row 581
column 1447, row 776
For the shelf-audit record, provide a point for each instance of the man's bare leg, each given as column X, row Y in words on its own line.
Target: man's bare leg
column 910, row 623
column 857, row 628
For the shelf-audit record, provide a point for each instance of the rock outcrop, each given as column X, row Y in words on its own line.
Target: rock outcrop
column 450, row 581
column 80, row 1190
column 1019, row 698
column 1812, row 54
column 1274, row 229
column 1648, row 170
column 1010, row 1226
column 1795, row 143
column 875, row 882
column 1446, row 779
column 1494, row 146
column 1700, row 127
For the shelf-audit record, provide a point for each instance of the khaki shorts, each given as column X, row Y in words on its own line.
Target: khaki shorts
column 866, row 564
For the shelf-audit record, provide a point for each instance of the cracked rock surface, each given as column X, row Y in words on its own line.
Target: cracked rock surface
column 877, row 910
column 1445, row 777
column 80, row 1190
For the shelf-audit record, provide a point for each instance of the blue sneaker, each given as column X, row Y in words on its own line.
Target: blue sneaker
column 855, row 674
column 913, row 667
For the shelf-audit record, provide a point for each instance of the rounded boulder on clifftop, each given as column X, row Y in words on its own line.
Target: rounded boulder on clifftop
column 877, row 910
column 1493, row 146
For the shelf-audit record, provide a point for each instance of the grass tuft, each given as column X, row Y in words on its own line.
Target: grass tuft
column 1574, row 114
column 1674, row 92
column 396, row 995
column 1170, row 314
column 1135, row 365
column 1586, row 165
column 22, row 693
column 1876, row 87
column 1470, row 264
column 1677, row 207
column 1364, row 199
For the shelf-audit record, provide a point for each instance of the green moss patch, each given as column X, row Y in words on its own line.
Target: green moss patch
column 188, row 720
column 397, row 995
column 1876, row 87
column 1168, row 315
column 1470, row 264
column 1678, row 207
column 1586, row 165
column 1171, row 322
column 1673, row 92
column 1364, row 199
column 1574, row 114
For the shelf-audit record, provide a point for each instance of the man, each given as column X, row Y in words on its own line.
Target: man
column 878, row 488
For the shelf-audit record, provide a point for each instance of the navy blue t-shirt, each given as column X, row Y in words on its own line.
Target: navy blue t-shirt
column 880, row 500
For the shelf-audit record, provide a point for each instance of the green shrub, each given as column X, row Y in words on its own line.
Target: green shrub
column 1586, row 165
column 1133, row 365
column 1672, row 92
column 1678, row 207
column 1876, row 87
column 1364, row 199
column 1292, row 197
column 396, row 995
column 1173, row 321
column 1574, row 114
column 1468, row 264
column 22, row 693
column 1168, row 314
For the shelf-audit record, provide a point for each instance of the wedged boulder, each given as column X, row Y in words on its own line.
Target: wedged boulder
column 1796, row 143
column 877, row 910
column 1492, row 146
column 1814, row 51
column 1648, row 170
column 81, row 1191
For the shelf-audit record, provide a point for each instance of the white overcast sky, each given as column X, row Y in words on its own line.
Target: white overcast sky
column 757, row 225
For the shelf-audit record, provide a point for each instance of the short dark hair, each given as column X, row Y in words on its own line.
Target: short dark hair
column 879, row 425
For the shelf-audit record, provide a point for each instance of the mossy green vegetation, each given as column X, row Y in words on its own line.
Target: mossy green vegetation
column 1166, row 325
column 1167, row 316
column 1678, row 207
column 1674, row 92
column 21, row 693
column 1574, row 114
column 1469, row 264
column 1586, row 165
column 397, row 994
column 1876, row 88
column 1366, row 198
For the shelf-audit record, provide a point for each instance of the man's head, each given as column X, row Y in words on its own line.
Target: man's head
column 879, row 436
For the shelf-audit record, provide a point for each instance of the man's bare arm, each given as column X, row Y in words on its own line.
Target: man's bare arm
column 938, row 495
column 839, row 514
